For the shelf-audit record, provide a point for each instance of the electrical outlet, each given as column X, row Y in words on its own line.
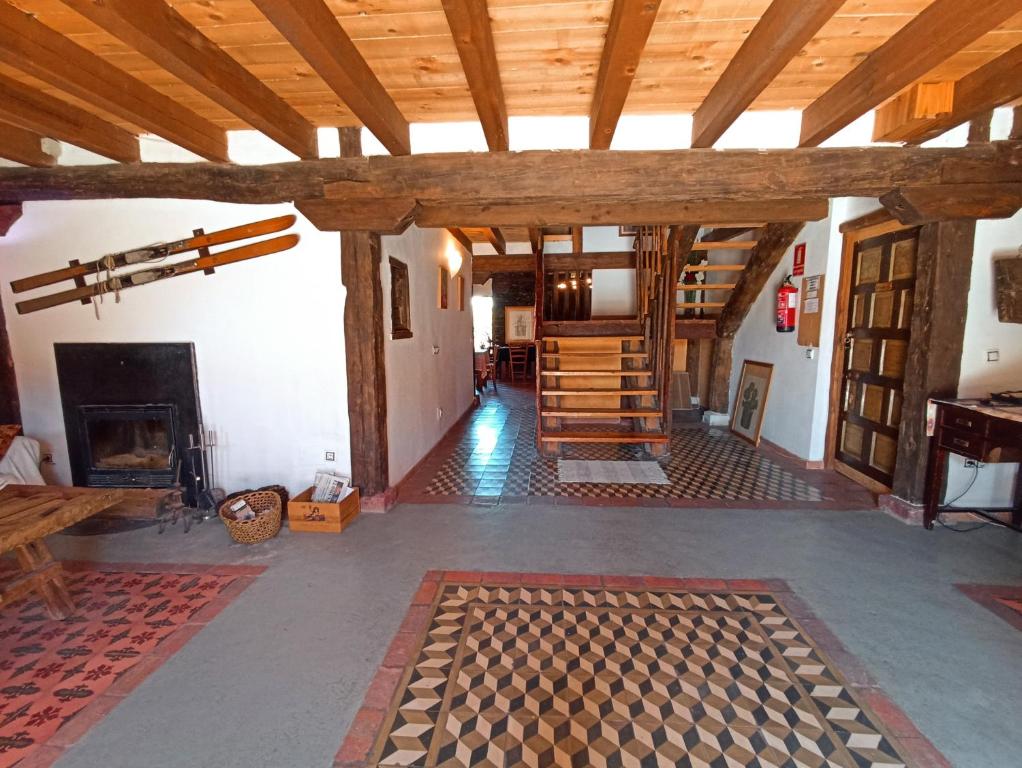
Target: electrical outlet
column 47, row 458
column 329, row 456
column 993, row 355
column 971, row 463
column 810, row 353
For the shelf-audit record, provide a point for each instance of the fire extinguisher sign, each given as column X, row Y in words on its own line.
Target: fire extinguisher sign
column 799, row 267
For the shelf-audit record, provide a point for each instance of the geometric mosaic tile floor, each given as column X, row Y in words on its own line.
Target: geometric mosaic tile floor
column 493, row 456
column 1005, row 601
column 59, row 678
column 552, row 670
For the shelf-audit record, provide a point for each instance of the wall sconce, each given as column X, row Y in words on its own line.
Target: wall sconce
column 454, row 257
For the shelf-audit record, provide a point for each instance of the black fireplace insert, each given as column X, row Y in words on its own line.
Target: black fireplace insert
column 130, row 445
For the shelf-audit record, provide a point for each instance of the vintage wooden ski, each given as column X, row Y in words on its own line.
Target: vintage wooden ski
column 152, row 252
column 143, row 276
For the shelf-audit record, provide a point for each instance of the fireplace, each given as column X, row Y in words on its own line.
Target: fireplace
column 131, row 415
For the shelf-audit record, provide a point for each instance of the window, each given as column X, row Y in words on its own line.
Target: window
column 400, row 301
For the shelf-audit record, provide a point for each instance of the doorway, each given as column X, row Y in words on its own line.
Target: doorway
column 871, row 345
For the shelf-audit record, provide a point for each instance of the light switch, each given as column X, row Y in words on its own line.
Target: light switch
column 993, row 355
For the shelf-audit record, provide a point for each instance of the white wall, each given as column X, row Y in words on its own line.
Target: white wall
column 419, row 381
column 268, row 333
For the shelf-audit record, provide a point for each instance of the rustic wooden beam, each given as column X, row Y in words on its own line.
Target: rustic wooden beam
column 937, row 32
column 163, row 35
column 386, row 216
column 41, row 113
column 495, row 238
column 937, row 335
column 627, row 32
column 365, row 362
column 907, row 116
column 995, row 84
column 484, row 182
column 469, row 21
column 39, row 51
column 979, row 127
column 781, row 33
column 24, row 147
column 695, row 328
column 959, row 201
column 576, row 240
column 564, row 262
column 536, row 239
column 773, row 243
column 10, row 403
column 463, row 240
column 722, row 234
column 9, row 213
column 1016, row 124
column 866, row 221
column 721, row 361
column 311, row 27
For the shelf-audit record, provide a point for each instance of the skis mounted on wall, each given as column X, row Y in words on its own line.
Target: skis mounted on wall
column 117, row 283
column 156, row 252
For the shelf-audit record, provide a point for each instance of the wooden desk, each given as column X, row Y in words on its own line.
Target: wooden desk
column 29, row 513
column 988, row 433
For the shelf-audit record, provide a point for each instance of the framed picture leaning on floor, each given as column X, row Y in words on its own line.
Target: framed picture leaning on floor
column 751, row 399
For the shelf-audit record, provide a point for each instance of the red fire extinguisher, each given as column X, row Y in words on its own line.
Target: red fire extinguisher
column 787, row 300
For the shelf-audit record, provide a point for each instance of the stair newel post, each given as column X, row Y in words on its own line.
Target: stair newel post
column 537, row 335
column 673, row 276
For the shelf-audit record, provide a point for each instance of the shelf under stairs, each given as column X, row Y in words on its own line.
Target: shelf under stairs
column 598, row 389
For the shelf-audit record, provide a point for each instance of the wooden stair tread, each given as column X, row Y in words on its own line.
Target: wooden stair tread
column 582, row 413
column 611, row 391
column 618, row 372
column 604, row 437
column 570, row 353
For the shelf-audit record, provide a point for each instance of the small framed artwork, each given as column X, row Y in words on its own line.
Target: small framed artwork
column 459, row 286
column 400, row 301
column 519, row 325
column 751, row 399
column 629, row 231
column 443, row 288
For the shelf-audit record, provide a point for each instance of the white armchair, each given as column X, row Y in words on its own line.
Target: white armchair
column 21, row 464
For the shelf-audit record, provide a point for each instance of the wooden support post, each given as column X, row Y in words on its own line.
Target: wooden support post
column 935, row 347
column 9, row 213
column 1016, row 125
column 719, row 397
column 361, row 254
column 692, row 368
column 10, row 403
column 979, row 128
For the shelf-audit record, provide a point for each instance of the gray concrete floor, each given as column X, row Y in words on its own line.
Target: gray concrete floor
column 275, row 679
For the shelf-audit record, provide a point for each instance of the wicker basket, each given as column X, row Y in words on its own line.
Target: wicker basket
column 266, row 524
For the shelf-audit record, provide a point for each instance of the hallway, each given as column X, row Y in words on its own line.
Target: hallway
column 491, row 457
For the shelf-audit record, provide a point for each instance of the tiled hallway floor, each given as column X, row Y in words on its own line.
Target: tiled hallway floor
column 493, row 456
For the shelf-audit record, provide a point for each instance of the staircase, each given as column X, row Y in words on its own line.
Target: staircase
column 613, row 387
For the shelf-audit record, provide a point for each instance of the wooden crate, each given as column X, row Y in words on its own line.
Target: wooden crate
column 304, row 514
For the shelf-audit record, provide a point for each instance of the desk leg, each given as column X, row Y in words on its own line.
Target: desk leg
column 935, row 468
column 46, row 575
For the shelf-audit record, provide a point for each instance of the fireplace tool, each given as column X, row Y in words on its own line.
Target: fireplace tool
column 209, row 497
column 171, row 507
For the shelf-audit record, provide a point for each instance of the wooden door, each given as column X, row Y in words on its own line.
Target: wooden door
column 880, row 291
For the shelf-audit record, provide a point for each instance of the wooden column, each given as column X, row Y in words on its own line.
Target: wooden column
column 935, row 349
column 361, row 254
column 9, row 213
column 719, row 398
column 10, row 404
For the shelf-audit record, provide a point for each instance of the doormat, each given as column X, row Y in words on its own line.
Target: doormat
column 1005, row 601
column 59, row 678
column 531, row 670
column 622, row 472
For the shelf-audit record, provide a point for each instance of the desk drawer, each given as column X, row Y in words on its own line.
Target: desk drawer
column 965, row 420
column 963, row 443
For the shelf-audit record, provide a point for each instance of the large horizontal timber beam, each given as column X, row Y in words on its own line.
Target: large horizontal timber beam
column 511, row 188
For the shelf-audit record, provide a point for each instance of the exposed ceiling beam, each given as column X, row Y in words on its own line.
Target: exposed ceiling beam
column 37, row 50
column 627, row 32
column 963, row 201
column 469, row 21
column 993, row 85
column 23, row 146
column 721, row 234
column 463, row 240
column 9, row 213
column 485, row 182
column 495, row 238
column 763, row 260
column 160, row 33
column 940, row 30
column 576, row 239
column 536, row 239
column 912, row 111
column 385, row 217
column 311, row 27
column 780, row 34
column 565, row 262
column 56, row 119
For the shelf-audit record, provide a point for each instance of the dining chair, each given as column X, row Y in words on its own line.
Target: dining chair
column 519, row 360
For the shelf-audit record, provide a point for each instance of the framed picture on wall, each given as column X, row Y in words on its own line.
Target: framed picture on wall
column 628, row 231
column 519, row 325
column 459, row 286
column 400, row 301
column 751, row 399
column 444, row 288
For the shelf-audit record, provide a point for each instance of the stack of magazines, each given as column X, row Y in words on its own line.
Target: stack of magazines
column 330, row 488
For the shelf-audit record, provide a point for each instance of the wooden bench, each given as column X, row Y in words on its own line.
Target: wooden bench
column 29, row 513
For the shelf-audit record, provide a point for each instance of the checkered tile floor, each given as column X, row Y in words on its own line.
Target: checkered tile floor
column 495, row 455
column 513, row 674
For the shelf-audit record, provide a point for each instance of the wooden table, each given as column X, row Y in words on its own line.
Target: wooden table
column 978, row 430
column 29, row 513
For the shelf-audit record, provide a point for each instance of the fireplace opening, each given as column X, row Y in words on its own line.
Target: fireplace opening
column 130, row 445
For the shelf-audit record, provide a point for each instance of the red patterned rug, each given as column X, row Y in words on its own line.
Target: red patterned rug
column 1005, row 601
column 59, row 678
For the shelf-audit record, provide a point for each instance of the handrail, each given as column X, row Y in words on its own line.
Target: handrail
column 657, row 275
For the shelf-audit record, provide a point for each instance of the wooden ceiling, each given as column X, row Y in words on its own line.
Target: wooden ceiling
column 548, row 54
